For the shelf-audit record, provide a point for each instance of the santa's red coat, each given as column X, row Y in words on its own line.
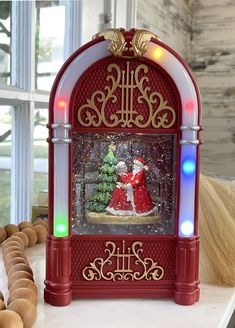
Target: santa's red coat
column 143, row 202
column 140, row 204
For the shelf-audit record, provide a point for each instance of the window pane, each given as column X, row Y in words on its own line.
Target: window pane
column 50, row 26
column 5, row 165
column 40, row 151
column 5, row 42
column 93, row 11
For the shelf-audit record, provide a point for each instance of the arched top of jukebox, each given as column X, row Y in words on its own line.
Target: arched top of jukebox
column 134, row 45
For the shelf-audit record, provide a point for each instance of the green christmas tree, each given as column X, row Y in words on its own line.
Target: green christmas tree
column 107, row 182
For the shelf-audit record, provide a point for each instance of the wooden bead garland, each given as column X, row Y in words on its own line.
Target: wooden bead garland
column 10, row 319
column 22, row 301
column 24, row 282
column 31, row 234
column 16, row 239
column 24, row 293
column 24, row 237
column 1, row 296
column 19, row 275
column 15, row 260
column 3, row 235
column 26, row 310
column 41, row 232
column 2, row 305
column 20, row 267
column 11, row 229
column 25, row 224
column 41, row 222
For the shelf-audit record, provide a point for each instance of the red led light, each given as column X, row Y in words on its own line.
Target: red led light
column 61, row 103
column 189, row 105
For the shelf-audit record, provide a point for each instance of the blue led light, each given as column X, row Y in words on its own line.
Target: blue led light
column 189, row 167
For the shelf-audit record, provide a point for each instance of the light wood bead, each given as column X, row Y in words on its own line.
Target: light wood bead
column 41, row 232
column 25, row 224
column 19, row 275
column 16, row 239
column 14, row 260
column 26, row 310
column 3, row 235
column 24, row 293
column 2, row 307
column 24, row 237
column 1, row 296
column 11, row 253
column 24, row 282
column 11, row 229
column 10, row 319
column 41, row 222
column 19, row 267
column 32, row 236
column 8, row 243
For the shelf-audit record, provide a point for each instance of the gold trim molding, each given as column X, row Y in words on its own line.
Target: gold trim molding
column 95, row 113
column 122, row 261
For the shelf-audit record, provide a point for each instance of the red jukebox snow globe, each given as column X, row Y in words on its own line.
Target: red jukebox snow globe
column 125, row 121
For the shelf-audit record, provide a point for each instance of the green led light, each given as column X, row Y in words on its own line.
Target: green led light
column 61, row 227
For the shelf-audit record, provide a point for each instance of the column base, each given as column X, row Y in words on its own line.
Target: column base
column 187, row 262
column 56, row 297
column 58, row 289
column 186, row 298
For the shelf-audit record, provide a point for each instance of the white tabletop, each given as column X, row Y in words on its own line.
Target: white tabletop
column 213, row 310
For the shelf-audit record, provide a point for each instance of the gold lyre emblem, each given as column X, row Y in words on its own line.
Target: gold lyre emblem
column 123, row 264
column 95, row 113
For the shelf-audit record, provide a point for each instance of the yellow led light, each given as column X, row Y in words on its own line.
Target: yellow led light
column 158, row 53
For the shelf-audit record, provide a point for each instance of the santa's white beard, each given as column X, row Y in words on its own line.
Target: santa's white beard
column 136, row 170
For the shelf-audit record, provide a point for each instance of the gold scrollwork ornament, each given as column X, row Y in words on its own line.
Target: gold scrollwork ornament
column 139, row 42
column 98, row 269
column 94, row 112
column 117, row 44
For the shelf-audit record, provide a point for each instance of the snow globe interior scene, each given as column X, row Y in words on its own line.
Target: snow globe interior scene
column 123, row 183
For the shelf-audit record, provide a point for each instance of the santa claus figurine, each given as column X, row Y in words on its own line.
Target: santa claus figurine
column 142, row 202
column 120, row 203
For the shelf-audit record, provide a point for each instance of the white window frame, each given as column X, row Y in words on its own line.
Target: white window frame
column 22, row 96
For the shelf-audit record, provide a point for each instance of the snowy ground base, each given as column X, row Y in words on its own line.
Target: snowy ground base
column 107, row 218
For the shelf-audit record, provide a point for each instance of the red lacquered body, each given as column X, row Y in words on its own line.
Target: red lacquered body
column 143, row 266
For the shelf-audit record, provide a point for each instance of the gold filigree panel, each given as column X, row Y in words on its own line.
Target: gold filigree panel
column 94, row 112
column 121, row 261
